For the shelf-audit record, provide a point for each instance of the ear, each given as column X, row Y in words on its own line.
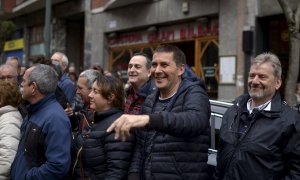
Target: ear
column 278, row 84
column 111, row 98
column 181, row 69
column 34, row 88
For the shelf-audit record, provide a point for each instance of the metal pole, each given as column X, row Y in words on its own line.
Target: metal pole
column 47, row 29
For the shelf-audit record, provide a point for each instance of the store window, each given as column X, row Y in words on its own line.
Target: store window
column 36, row 40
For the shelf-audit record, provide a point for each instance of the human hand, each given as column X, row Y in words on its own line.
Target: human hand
column 69, row 110
column 125, row 123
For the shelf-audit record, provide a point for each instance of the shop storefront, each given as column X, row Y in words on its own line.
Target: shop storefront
column 14, row 48
column 197, row 39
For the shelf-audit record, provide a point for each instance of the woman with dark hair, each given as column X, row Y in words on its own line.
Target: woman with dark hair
column 99, row 155
column 10, row 122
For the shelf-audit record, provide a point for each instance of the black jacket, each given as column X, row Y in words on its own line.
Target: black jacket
column 175, row 144
column 99, row 155
column 269, row 149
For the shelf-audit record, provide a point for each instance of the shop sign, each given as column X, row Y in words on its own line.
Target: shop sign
column 165, row 34
column 14, row 45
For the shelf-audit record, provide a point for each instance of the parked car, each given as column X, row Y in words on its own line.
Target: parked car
column 218, row 108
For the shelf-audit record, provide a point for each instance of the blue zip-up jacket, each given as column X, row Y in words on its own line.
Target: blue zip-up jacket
column 44, row 148
column 67, row 86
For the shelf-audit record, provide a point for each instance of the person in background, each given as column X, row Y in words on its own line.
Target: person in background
column 9, row 73
column 65, row 82
column 73, row 77
column 140, row 83
column 99, row 156
column 172, row 134
column 259, row 136
column 84, row 87
column 15, row 61
column 10, row 123
column 97, row 67
column 44, row 150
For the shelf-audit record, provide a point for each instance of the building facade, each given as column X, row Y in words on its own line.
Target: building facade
column 218, row 37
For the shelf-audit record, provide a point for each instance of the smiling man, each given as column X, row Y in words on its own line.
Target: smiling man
column 140, row 83
column 259, row 137
column 172, row 137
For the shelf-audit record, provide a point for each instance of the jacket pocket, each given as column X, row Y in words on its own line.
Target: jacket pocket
column 34, row 145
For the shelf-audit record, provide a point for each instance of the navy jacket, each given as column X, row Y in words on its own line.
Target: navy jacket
column 68, row 87
column 268, row 150
column 175, row 144
column 44, row 148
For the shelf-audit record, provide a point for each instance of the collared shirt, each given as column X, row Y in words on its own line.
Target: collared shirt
column 266, row 106
column 248, row 115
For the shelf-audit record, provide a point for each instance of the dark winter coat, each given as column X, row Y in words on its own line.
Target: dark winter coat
column 99, row 155
column 175, row 144
column 44, row 150
column 67, row 86
column 269, row 149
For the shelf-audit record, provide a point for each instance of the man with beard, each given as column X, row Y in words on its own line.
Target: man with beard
column 140, row 85
column 172, row 134
column 259, row 136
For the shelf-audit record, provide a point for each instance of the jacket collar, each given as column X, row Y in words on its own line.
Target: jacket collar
column 276, row 104
column 34, row 107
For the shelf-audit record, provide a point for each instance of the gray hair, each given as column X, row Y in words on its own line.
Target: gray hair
column 14, row 58
column 10, row 68
column 64, row 58
column 45, row 77
column 91, row 75
column 269, row 58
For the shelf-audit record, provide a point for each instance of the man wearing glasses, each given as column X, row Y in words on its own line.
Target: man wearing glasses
column 259, row 136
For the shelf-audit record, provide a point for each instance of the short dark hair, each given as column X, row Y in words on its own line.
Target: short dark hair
column 178, row 55
column 110, row 85
column 148, row 60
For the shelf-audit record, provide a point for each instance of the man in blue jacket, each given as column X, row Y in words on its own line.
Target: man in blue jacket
column 173, row 136
column 65, row 82
column 44, row 148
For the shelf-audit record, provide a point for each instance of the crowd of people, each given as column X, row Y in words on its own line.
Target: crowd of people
column 57, row 125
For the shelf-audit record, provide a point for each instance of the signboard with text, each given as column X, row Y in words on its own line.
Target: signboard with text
column 165, row 34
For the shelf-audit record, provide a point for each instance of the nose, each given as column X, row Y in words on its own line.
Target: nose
column 156, row 69
column 255, row 80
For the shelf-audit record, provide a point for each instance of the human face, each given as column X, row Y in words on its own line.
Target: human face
column 138, row 74
column 57, row 57
column 8, row 75
column 97, row 101
column 26, row 88
column 166, row 73
column 83, row 90
column 262, row 84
